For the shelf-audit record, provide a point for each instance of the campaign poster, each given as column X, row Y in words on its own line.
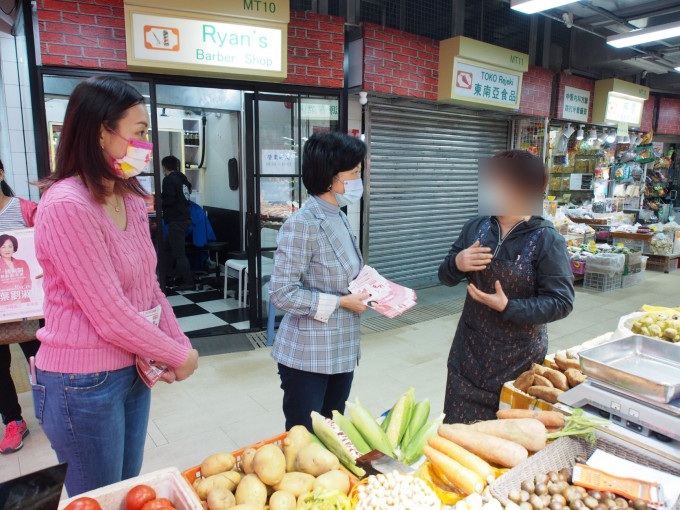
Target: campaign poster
column 21, row 291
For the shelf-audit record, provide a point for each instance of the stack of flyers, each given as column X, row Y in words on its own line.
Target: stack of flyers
column 387, row 297
column 148, row 372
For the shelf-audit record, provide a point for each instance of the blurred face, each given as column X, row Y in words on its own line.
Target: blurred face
column 348, row 175
column 502, row 193
column 134, row 125
column 7, row 250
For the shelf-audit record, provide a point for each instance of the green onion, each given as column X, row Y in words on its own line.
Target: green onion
column 580, row 425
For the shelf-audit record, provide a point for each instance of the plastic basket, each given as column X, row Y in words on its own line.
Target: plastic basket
column 631, row 244
column 190, row 475
column 632, row 279
column 167, row 483
column 562, row 454
column 578, row 267
column 600, row 282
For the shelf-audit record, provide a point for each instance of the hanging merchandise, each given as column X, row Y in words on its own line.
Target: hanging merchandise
column 645, row 153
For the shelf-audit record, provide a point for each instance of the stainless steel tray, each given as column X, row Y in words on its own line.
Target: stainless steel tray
column 646, row 366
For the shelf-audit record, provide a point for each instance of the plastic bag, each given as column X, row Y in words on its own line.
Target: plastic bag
column 606, row 263
column 661, row 244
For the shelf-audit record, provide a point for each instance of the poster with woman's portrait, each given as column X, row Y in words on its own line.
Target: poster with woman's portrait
column 21, row 292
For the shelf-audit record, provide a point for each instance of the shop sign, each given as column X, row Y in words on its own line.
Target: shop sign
column 617, row 101
column 319, row 111
column 623, row 109
column 575, row 104
column 278, row 162
column 477, row 73
column 193, row 43
column 486, row 84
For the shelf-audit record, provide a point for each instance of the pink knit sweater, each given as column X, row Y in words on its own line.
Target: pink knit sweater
column 97, row 280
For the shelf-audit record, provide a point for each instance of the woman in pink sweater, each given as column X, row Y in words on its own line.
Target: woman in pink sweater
column 93, row 243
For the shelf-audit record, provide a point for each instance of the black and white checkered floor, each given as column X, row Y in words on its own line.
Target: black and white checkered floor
column 206, row 313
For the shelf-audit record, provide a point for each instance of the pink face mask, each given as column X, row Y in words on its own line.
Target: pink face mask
column 135, row 161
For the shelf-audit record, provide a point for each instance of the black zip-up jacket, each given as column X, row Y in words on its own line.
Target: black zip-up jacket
column 176, row 203
column 554, row 297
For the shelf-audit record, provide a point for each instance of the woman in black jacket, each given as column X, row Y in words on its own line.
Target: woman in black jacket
column 519, row 279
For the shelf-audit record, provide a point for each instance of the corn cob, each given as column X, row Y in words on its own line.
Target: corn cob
column 400, row 416
column 386, row 422
column 414, row 450
column 337, row 442
column 351, row 432
column 369, row 428
column 421, row 412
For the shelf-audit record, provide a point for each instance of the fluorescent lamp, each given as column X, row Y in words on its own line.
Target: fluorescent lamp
column 580, row 134
column 645, row 35
column 534, row 6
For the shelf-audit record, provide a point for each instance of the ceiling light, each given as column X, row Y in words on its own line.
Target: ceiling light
column 580, row 134
column 677, row 69
column 534, row 6
column 645, row 35
column 592, row 135
column 611, row 136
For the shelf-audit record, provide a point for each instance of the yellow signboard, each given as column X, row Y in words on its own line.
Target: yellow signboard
column 263, row 10
column 476, row 73
column 179, row 41
column 618, row 101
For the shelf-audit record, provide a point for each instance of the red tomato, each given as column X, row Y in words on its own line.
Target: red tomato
column 84, row 504
column 158, row 504
column 138, row 497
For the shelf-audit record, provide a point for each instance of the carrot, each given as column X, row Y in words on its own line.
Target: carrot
column 460, row 476
column 463, row 457
column 551, row 419
column 494, row 449
column 528, row 432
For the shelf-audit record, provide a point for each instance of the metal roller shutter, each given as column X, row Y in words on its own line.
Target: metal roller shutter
column 423, row 185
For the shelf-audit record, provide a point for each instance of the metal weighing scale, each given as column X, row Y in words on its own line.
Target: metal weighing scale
column 627, row 385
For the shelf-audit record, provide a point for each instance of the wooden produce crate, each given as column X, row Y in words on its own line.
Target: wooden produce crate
column 665, row 263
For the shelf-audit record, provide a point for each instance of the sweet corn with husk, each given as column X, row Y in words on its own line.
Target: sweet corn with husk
column 369, row 428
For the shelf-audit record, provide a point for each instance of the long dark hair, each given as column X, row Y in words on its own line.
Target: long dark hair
column 4, row 187
column 97, row 101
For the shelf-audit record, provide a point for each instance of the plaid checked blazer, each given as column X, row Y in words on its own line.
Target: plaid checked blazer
column 311, row 272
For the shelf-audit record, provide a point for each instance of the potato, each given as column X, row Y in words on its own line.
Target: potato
column 247, row 460
column 196, row 482
column 524, row 381
column 539, row 380
column 548, row 394
column 296, row 483
column 315, row 460
column 228, row 480
column 220, row 498
column 218, row 463
column 557, row 378
column 247, row 506
column 269, row 464
column 574, row 377
column 282, row 500
column 297, row 438
column 251, row 490
column 563, row 363
column 334, row 480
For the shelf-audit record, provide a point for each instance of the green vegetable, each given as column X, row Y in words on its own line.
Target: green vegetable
column 324, row 499
column 419, row 417
column 578, row 424
column 400, row 416
column 351, row 432
column 411, row 452
column 369, row 428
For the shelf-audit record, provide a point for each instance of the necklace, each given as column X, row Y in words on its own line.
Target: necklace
column 116, row 206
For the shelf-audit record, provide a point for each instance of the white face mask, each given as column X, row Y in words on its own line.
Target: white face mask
column 354, row 190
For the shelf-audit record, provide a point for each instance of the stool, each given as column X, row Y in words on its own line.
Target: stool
column 216, row 247
column 241, row 267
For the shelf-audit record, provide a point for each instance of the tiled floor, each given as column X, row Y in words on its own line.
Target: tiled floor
column 207, row 313
column 234, row 399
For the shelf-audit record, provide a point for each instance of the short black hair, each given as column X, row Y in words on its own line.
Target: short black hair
column 523, row 167
column 327, row 154
column 171, row 163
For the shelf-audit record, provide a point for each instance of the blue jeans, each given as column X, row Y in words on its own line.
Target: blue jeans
column 95, row 422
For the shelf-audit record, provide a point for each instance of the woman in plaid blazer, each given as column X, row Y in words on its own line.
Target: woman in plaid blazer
column 317, row 344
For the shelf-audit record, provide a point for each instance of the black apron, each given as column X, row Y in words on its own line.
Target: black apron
column 487, row 351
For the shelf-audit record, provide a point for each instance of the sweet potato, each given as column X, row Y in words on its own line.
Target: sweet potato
column 524, row 381
column 551, row 419
column 548, row 394
column 557, row 378
column 494, row 449
column 574, row 377
column 564, row 363
column 538, row 369
column 539, row 380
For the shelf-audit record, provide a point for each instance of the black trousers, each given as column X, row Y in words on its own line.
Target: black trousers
column 304, row 392
column 178, row 263
column 9, row 403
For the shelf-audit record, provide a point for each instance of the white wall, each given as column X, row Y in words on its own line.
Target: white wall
column 354, row 122
column 221, row 145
